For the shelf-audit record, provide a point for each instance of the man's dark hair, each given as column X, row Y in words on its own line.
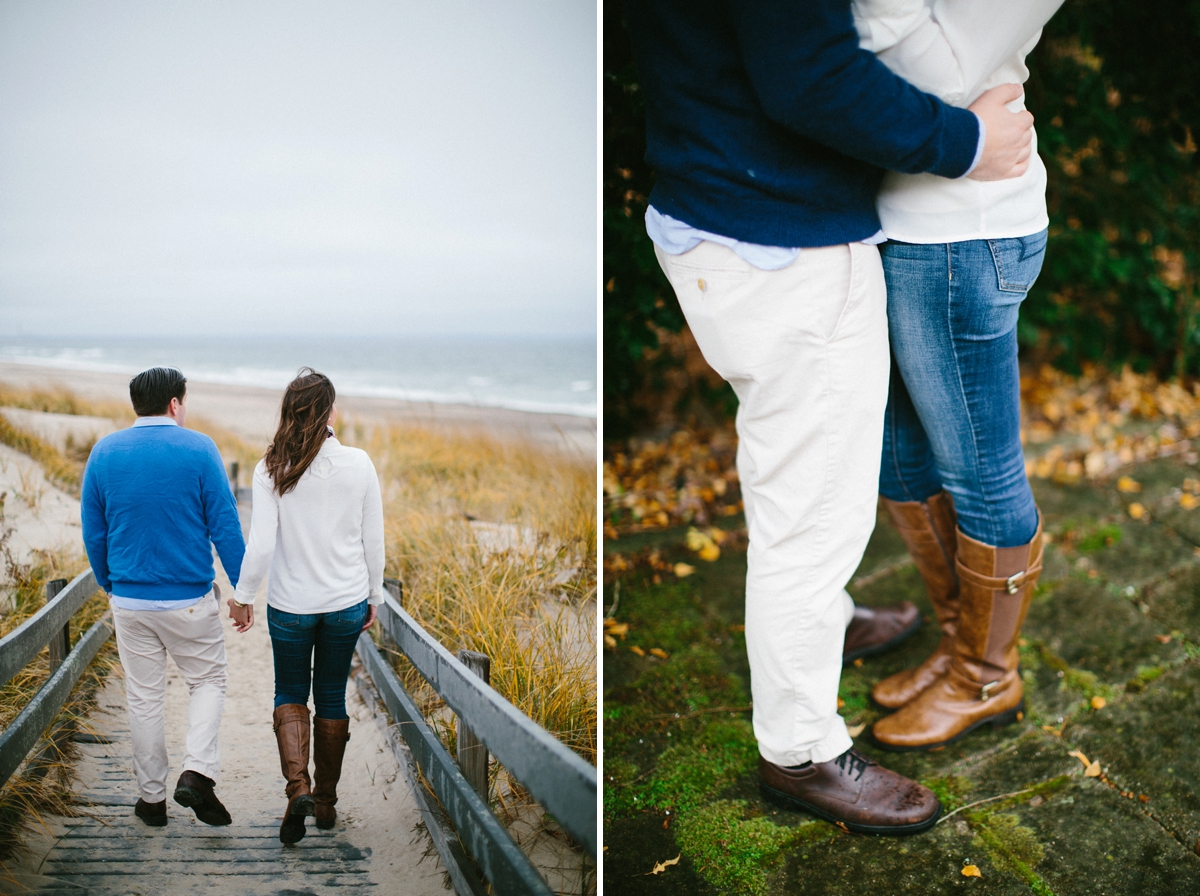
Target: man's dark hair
column 151, row 390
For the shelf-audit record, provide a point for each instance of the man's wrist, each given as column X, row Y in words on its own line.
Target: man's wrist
column 978, row 145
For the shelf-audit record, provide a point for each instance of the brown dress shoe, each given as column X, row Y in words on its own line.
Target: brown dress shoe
column 877, row 630
column 928, row 529
column 292, row 737
column 854, row 793
column 329, row 746
column 195, row 791
column 983, row 684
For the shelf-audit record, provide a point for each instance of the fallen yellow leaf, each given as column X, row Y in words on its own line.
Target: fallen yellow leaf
column 683, row 570
column 616, row 629
column 660, row 867
column 1126, row 484
column 1188, row 501
column 1078, row 754
column 658, row 652
column 855, row 730
column 1099, row 703
column 709, row 552
column 1136, row 510
column 1163, row 639
column 971, row 871
column 637, row 650
column 841, row 702
column 1093, row 770
column 610, row 642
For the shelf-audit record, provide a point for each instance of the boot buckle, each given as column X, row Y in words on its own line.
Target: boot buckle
column 1013, row 583
column 985, row 692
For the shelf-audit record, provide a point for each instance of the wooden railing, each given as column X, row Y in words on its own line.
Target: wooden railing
column 49, row 625
column 561, row 781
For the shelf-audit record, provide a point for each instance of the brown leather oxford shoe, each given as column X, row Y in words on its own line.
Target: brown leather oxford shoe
column 854, row 793
column 875, row 630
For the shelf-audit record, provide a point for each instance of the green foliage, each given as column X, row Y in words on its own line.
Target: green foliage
column 688, row 774
column 1113, row 87
column 732, row 852
column 1101, row 537
column 1011, row 846
column 950, row 790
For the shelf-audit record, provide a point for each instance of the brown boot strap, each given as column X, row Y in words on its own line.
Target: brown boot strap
column 1012, row 584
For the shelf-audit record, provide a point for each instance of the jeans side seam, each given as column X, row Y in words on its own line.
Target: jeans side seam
column 975, row 452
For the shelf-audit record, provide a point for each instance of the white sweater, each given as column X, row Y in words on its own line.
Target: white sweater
column 957, row 49
column 323, row 540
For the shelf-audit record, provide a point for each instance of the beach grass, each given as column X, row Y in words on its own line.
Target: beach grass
column 494, row 540
column 43, row 785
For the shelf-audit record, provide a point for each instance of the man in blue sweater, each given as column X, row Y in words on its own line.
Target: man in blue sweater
column 155, row 499
column 769, row 131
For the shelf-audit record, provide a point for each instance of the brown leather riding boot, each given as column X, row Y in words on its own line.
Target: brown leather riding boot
column 329, row 746
column 292, row 735
column 928, row 529
column 983, row 684
column 854, row 793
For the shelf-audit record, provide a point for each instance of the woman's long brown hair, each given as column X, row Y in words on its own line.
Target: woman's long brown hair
column 307, row 402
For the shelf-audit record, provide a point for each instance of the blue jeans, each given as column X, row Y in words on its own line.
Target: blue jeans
column 315, row 649
column 953, row 413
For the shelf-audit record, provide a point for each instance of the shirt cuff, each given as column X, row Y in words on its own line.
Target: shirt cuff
column 978, row 146
column 375, row 598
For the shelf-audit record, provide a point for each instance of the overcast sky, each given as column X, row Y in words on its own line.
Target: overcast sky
column 297, row 167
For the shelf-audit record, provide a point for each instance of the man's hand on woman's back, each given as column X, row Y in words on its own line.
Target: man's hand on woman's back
column 1008, row 136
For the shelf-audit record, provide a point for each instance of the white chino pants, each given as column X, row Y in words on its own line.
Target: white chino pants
column 196, row 642
column 806, row 351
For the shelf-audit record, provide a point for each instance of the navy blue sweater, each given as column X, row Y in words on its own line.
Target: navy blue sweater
column 765, row 122
column 153, row 499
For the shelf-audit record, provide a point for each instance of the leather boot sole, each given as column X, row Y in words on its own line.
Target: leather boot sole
column 787, row 801
column 292, row 830
column 864, row 652
column 1000, row 720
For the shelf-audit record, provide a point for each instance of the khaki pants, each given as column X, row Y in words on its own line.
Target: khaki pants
column 806, row 350
column 196, row 642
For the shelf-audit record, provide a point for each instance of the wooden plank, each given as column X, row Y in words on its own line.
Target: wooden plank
column 507, row 869
column 464, row 875
column 20, row 737
column 472, row 752
column 20, row 646
column 560, row 780
column 60, row 641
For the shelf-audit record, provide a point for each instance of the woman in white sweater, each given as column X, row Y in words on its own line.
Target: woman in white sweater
column 961, row 256
column 317, row 524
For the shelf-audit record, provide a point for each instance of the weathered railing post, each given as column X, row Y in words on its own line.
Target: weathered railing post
column 472, row 753
column 233, row 477
column 60, row 641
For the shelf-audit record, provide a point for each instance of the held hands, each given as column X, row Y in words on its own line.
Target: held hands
column 1008, row 136
column 243, row 617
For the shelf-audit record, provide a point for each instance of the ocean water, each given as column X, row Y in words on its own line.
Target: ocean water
column 552, row 376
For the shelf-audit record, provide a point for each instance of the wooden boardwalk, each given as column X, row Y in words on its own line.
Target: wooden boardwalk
column 375, row 847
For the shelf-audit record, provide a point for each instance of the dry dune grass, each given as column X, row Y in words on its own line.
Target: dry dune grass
column 522, row 589
column 494, row 540
column 43, row 785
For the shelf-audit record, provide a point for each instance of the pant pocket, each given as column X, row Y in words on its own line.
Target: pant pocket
column 1018, row 261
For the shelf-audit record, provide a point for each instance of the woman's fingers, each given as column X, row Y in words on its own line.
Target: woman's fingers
column 371, row 613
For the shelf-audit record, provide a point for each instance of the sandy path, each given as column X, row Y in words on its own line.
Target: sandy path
column 251, row 413
column 374, row 847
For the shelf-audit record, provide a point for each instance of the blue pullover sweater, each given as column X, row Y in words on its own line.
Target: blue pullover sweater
column 766, row 123
column 153, row 499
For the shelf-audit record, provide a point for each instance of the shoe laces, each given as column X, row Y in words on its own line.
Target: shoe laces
column 851, row 763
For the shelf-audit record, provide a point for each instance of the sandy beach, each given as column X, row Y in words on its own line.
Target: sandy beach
column 251, row 413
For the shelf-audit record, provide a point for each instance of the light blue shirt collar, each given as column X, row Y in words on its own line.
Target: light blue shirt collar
column 162, row 420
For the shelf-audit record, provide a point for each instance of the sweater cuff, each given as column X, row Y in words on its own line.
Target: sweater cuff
column 375, row 598
column 962, row 144
column 978, row 147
